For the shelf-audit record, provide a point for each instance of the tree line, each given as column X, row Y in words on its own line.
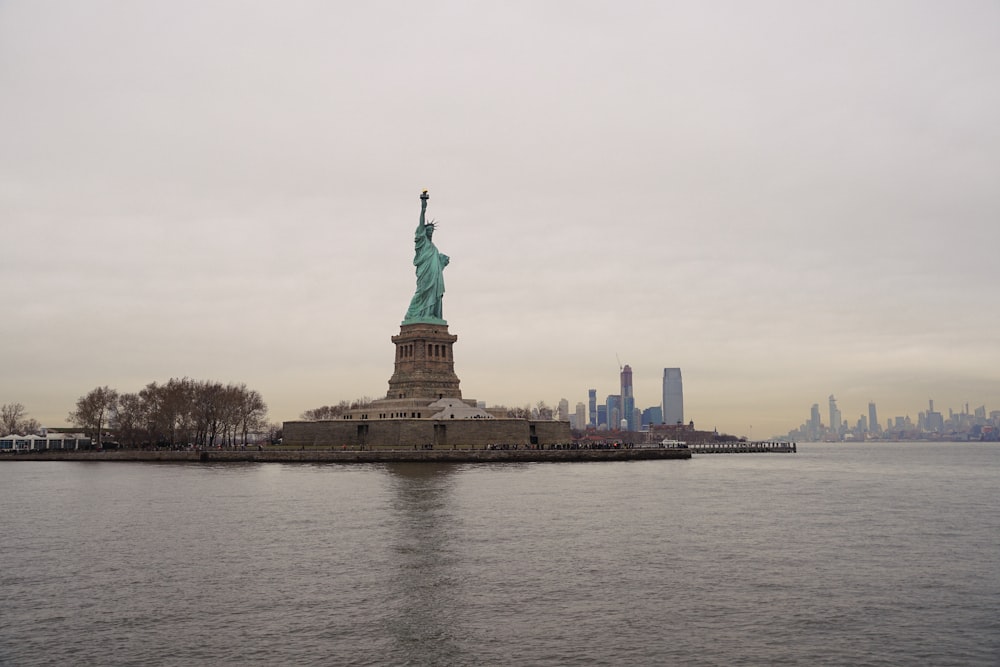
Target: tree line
column 334, row 411
column 180, row 412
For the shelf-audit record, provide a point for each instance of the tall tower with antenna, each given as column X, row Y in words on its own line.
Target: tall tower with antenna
column 628, row 401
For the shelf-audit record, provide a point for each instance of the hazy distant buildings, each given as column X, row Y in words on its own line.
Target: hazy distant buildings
column 673, row 396
column 931, row 424
column 592, row 400
column 581, row 416
column 812, row 429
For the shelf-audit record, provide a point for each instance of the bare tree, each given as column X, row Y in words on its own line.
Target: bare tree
column 131, row 420
column 169, row 411
column 10, row 417
column 14, row 420
column 93, row 410
column 363, row 402
column 207, row 412
column 252, row 412
column 544, row 411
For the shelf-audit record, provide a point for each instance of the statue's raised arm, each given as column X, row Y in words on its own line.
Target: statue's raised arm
column 425, row 306
column 423, row 211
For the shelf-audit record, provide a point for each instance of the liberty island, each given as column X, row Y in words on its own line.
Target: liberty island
column 423, row 416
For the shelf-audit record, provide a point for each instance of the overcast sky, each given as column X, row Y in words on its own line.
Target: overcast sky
column 787, row 200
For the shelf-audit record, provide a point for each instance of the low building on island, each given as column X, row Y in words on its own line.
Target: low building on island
column 13, row 443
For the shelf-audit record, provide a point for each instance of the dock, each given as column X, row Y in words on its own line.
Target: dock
column 739, row 447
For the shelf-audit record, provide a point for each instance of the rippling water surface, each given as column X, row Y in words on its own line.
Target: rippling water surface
column 838, row 555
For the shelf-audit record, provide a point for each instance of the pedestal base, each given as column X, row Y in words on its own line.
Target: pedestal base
column 425, row 365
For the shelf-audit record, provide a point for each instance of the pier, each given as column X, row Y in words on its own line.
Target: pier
column 739, row 447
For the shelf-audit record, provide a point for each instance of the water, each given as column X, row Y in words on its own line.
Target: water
column 839, row 555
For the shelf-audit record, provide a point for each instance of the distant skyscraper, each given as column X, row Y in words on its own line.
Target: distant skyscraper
column 563, row 409
column 873, row 418
column 592, row 399
column 614, row 411
column 581, row 416
column 834, row 415
column 652, row 415
column 673, row 396
column 935, row 420
column 628, row 401
column 602, row 416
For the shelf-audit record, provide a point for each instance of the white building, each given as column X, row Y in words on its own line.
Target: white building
column 38, row 443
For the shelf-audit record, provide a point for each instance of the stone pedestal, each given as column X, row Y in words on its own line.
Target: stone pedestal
column 425, row 365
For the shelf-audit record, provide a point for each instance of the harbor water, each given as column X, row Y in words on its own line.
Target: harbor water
column 841, row 554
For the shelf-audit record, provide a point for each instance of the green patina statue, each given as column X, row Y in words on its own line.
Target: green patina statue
column 425, row 306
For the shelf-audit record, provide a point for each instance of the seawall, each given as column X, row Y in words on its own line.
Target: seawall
column 365, row 456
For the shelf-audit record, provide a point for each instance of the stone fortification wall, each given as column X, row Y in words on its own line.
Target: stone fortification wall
column 269, row 455
column 549, row 431
column 420, row 433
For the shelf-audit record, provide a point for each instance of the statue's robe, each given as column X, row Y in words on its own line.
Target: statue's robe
column 426, row 301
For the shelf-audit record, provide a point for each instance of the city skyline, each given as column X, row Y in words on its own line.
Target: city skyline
column 972, row 420
column 836, row 418
column 783, row 199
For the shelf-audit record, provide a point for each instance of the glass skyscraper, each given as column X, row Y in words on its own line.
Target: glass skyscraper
column 627, row 405
column 614, row 402
column 673, row 396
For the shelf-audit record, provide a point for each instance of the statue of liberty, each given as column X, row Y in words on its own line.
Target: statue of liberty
column 425, row 306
